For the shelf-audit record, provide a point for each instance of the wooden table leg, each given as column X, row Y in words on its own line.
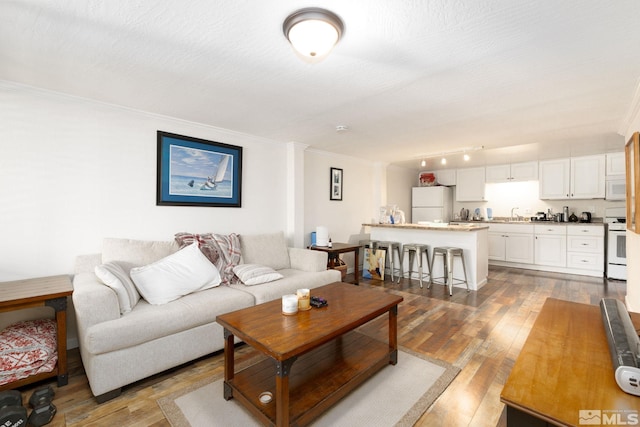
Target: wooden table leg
column 282, row 391
column 60, row 307
column 229, row 364
column 393, row 335
column 356, row 269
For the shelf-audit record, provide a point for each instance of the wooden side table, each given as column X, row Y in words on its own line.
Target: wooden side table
column 340, row 248
column 41, row 292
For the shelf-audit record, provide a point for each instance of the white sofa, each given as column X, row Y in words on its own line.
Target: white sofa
column 119, row 349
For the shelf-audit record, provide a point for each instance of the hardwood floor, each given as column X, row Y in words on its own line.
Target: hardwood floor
column 481, row 332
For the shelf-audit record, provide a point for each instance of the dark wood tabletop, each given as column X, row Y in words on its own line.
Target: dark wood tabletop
column 264, row 327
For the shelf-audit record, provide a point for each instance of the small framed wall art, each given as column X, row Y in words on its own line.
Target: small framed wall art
column 335, row 188
column 197, row 172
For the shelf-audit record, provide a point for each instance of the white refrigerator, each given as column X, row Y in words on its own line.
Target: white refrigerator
column 431, row 204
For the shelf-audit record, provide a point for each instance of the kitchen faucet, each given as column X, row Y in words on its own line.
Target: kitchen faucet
column 513, row 209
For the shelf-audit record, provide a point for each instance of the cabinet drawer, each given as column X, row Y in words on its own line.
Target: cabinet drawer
column 591, row 244
column 585, row 261
column 583, row 230
column 550, row 229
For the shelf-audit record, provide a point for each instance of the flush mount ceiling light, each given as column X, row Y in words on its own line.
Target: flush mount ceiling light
column 313, row 32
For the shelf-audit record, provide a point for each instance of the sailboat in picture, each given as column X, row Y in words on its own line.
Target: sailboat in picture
column 211, row 182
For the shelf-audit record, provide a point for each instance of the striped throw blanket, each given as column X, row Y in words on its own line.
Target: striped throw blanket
column 222, row 250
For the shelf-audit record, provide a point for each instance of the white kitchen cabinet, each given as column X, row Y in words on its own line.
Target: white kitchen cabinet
column 513, row 172
column 588, row 177
column 585, row 247
column 574, row 178
column 615, row 164
column 446, row 177
column 498, row 173
column 554, row 179
column 470, row 184
column 511, row 243
column 550, row 245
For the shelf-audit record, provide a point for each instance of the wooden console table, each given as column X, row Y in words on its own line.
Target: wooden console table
column 340, row 248
column 565, row 368
column 41, row 292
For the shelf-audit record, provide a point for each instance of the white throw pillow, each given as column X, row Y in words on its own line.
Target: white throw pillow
column 253, row 274
column 172, row 277
column 116, row 277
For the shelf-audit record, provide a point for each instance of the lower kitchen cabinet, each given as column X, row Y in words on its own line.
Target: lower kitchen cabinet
column 585, row 248
column 550, row 245
column 572, row 249
column 511, row 243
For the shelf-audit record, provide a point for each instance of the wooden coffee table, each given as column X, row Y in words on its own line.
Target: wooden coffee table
column 331, row 358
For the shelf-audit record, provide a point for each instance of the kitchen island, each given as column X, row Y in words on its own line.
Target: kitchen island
column 472, row 239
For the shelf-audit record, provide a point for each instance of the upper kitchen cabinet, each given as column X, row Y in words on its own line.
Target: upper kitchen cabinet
column 470, row 185
column 448, row 176
column 514, row 172
column 575, row 178
column 615, row 164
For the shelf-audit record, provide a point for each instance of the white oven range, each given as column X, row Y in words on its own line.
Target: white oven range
column 616, row 243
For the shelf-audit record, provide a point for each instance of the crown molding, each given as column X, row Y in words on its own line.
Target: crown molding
column 632, row 113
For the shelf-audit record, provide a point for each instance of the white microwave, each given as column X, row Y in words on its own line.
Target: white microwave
column 616, row 189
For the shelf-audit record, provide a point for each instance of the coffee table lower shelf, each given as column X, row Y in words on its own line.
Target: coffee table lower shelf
column 317, row 380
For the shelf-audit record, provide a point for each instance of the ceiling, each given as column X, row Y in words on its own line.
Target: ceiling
column 409, row 78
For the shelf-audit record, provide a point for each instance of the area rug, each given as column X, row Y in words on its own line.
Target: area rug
column 395, row 396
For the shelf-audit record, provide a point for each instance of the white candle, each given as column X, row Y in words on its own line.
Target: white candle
column 290, row 304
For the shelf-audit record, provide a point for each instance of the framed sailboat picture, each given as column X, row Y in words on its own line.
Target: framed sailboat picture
column 197, row 172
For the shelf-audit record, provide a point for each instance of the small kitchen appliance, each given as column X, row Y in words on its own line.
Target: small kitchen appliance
column 585, row 217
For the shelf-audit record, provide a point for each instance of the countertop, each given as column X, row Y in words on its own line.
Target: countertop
column 500, row 221
column 475, row 226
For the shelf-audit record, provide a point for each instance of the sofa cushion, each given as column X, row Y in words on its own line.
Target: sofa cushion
column 265, row 249
column 222, row 250
column 254, row 274
column 117, row 278
column 136, row 252
column 148, row 322
column 289, row 284
column 179, row 274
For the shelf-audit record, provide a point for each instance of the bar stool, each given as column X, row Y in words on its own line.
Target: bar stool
column 448, row 252
column 418, row 249
column 391, row 248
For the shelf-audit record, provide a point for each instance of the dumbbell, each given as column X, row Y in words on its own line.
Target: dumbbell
column 12, row 413
column 41, row 396
column 41, row 415
column 43, row 409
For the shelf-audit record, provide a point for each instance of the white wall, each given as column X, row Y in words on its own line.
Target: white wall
column 343, row 218
column 73, row 172
column 399, row 184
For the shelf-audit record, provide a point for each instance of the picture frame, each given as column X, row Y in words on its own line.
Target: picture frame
column 632, row 159
column 197, row 172
column 335, row 184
